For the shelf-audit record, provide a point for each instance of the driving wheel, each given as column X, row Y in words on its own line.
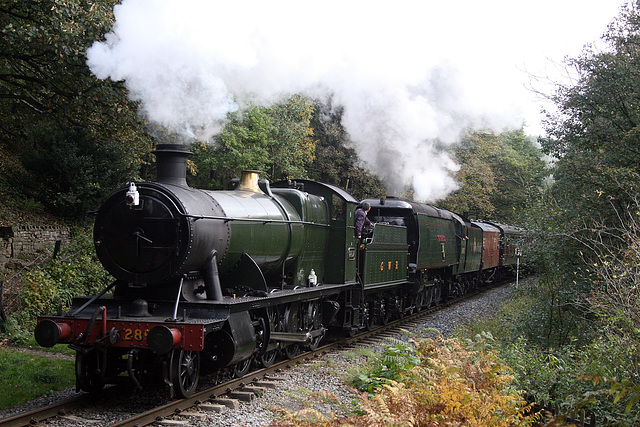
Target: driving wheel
column 185, row 372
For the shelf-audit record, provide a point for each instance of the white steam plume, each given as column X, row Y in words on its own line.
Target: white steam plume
column 190, row 62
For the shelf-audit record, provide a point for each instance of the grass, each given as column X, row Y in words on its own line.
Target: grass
column 299, row 394
column 30, row 342
column 24, row 377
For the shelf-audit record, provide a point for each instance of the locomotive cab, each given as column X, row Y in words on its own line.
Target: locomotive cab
column 340, row 254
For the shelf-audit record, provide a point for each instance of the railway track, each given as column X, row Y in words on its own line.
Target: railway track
column 221, row 395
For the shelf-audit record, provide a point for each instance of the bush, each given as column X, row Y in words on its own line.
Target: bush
column 15, row 330
column 599, row 374
column 593, row 378
column 76, row 271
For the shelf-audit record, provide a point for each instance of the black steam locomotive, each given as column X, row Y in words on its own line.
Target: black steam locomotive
column 219, row 280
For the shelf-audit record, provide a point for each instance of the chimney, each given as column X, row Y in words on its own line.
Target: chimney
column 171, row 161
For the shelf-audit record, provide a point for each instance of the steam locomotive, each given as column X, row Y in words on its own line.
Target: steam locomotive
column 220, row 280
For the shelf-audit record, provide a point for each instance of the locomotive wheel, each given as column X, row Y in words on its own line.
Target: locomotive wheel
column 464, row 287
column 268, row 358
column 425, row 297
column 428, row 297
column 88, row 372
column 397, row 305
column 242, row 368
column 420, row 298
column 457, row 289
column 412, row 306
column 315, row 342
column 313, row 323
column 385, row 313
column 292, row 350
column 436, row 293
column 292, row 318
column 292, row 324
column 370, row 314
column 185, row 372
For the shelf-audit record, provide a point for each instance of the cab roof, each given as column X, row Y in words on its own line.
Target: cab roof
column 315, row 187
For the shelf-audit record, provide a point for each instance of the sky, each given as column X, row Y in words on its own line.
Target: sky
column 410, row 74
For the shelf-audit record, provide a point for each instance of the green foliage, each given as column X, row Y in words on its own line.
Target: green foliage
column 477, row 179
column 74, row 173
column 292, row 146
column 276, row 140
column 594, row 133
column 630, row 391
column 584, row 353
column 579, row 373
column 520, row 172
column 14, row 329
column 577, row 378
column 500, row 176
column 240, row 146
column 296, row 138
column 75, row 272
column 26, row 376
column 390, row 365
column 585, row 238
column 30, row 206
column 72, row 138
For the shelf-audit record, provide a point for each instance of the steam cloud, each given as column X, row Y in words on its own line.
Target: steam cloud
column 191, row 62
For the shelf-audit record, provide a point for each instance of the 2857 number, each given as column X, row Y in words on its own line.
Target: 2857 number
column 135, row 334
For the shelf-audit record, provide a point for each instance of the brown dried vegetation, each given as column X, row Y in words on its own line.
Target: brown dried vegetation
column 454, row 384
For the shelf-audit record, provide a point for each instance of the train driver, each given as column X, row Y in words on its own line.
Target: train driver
column 362, row 222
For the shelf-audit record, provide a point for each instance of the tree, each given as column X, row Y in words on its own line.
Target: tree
column 500, row 175
column 586, row 226
column 276, row 140
column 594, row 134
column 52, row 107
column 240, row 146
column 336, row 162
column 291, row 144
column 477, row 179
column 520, row 172
column 595, row 139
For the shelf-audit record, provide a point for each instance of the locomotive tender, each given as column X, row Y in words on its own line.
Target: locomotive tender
column 218, row 280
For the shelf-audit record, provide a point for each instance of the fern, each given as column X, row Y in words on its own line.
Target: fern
column 449, row 382
column 397, row 358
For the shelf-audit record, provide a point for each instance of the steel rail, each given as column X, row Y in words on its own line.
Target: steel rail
column 55, row 409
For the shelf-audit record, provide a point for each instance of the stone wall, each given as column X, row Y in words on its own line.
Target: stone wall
column 18, row 239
